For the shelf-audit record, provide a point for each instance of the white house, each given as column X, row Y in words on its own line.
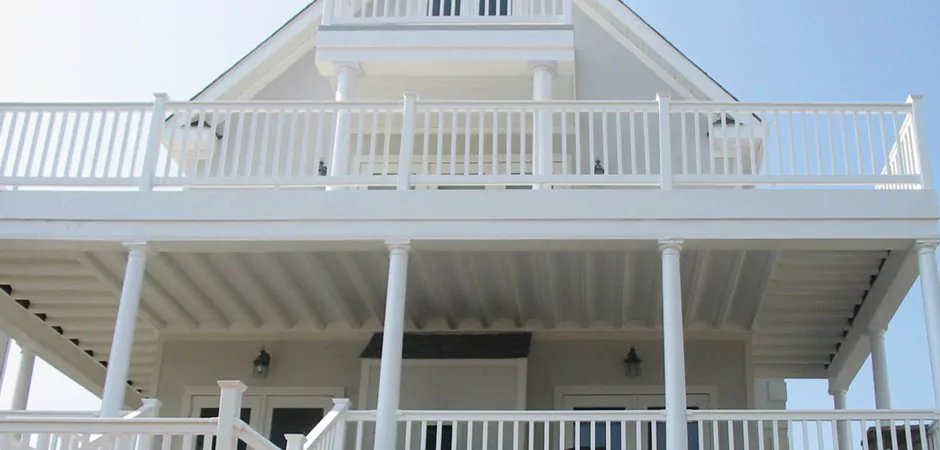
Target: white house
column 488, row 225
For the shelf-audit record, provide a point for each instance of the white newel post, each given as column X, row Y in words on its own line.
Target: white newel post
column 673, row 347
column 543, row 76
column 665, row 139
column 145, row 441
column 154, row 141
column 920, row 139
column 930, row 289
column 295, row 441
column 879, row 369
column 119, row 360
column 407, row 141
column 386, row 426
column 4, row 349
column 24, row 378
column 843, row 432
column 230, row 407
column 347, row 74
column 339, row 439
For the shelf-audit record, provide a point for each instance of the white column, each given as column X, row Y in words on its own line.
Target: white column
column 673, row 347
column 392, row 337
column 543, row 76
column 930, row 289
column 4, row 350
column 119, row 360
column 843, row 432
column 347, row 74
column 230, row 407
column 879, row 369
column 24, row 377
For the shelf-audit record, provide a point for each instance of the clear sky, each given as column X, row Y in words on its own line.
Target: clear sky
column 794, row 50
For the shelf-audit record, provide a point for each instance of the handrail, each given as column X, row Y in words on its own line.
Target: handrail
column 330, row 421
column 867, row 414
column 251, row 437
column 99, row 425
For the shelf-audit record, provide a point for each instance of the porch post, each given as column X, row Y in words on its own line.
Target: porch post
column 345, row 91
column 386, row 426
column 119, row 360
column 673, row 346
column 930, row 290
column 4, row 350
column 543, row 76
column 843, row 432
column 879, row 369
column 24, row 378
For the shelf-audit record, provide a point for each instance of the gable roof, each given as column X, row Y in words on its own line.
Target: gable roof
column 261, row 65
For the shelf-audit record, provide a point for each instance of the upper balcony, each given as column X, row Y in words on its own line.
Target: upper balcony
column 465, row 145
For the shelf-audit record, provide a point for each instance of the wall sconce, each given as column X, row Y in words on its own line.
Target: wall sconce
column 598, row 167
column 632, row 363
column 261, row 364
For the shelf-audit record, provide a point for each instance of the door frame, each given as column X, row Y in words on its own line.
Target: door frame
column 258, row 396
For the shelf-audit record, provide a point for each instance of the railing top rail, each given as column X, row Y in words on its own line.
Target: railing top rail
column 253, row 438
column 340, row 407
column 97, row 106
column 28, row 413
column 813, row 415
column 532, row 104
column 95, row 425
column 298, row 105
column 789, row 106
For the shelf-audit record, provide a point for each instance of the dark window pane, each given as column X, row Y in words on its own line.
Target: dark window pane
column 292, row 421
column 494, row 7
column 691, row 431
column 206, row 413
column 600, row 432
column 447, row 436
column 444, row 8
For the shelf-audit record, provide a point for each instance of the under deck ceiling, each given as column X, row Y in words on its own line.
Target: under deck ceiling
column 796, row 304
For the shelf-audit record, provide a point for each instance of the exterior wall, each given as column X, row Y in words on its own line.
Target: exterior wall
column 456, row 384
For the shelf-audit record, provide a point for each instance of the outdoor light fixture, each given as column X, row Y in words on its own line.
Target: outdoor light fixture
column 632, row 363
column 598, row 167
column 321, row 169
column 261, row 364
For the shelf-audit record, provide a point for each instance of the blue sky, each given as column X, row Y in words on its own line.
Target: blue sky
column 795, row 50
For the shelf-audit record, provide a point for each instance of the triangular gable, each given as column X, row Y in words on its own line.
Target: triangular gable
column 297, row 36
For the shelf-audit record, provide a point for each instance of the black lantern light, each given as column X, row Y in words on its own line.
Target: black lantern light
column 261, row 364
column 632, row 363
column 321, row 169
column 598, row 167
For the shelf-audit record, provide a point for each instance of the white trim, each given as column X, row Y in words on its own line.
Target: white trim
column 521, row 365
column 647, row 389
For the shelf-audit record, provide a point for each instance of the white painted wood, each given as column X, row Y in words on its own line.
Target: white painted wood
column 115, row 383
column 230, row 404
column 879, row 368
column 930, row 288
column 392, row 337
column 674, row 352
column 24, row 379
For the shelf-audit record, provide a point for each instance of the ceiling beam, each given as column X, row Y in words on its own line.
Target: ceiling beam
column 193, row 291
column 898, row 273
column 587, row 289
column 726, row 304
column 552, row 305
column 699, row 278
column 315, row 269
column 627, row 283
column 508, row 263
column 244, row 280
column 297, row 295
column 433, row 285
column 470, row 286
column 655, row 313
column 209, row 278
column 367, row 295
column 42, row 268
column 110, row 281
column 770, row 269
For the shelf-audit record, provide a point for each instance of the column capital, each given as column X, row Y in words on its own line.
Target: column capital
column 663, row 96
column 347, row 66
column 548, row 66
column 840, row 392
column 926, row 246
column 911, row 98
column 140, row 246
column 232, row 384
column 161, row 96
column 398, row 245
column 670, row 244
column 877, row 333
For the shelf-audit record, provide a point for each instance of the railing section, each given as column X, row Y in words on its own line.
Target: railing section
column 445, row 11
column 451, row 145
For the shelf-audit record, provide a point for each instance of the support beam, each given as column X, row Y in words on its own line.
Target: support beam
column 348, row 73
column 24, row 378
column 103, row 274
column 699, row 278
column 470, row 286
column 112, row 401
column 930, row 290
column 588, row 290
column 673, row 346
column 734, row 280
column 192, row 290
column 4, row 351
column 209, row 278
column 368, row 295
column 843, row 430
column 386, row 425
column 626, row 288
column 434, row 285
column 246, row 281
column 313, row 267
column 879, row 369
column 282, row 277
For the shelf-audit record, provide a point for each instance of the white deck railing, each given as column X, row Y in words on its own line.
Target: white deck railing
column 452, row 144
column 430, row 12
column 645, row 430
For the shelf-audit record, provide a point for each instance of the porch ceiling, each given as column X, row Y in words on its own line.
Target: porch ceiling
column 797, row 304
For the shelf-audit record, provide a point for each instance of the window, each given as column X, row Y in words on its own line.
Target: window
column 597, row 440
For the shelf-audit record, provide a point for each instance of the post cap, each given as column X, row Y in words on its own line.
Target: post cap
column 232, row 385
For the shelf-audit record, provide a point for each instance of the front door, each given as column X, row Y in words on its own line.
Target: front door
column 272, row 415
column 602, row 436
